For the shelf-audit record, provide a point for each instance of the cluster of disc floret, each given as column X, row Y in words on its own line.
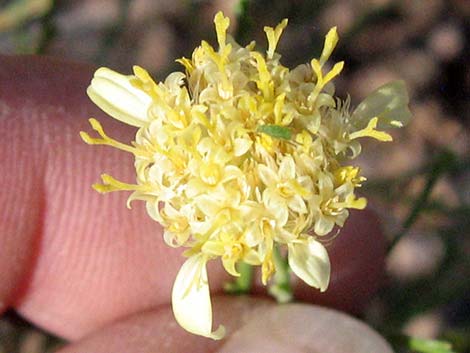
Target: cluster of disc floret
column 238, row 153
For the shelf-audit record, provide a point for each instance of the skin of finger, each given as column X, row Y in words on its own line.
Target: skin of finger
column 17, row 224
column 22, row 163
column 85, row 259
column 253, row 325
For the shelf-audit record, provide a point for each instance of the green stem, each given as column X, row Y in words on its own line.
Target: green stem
column 281, row 288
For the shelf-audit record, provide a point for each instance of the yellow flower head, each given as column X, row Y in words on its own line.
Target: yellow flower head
column 239, row 153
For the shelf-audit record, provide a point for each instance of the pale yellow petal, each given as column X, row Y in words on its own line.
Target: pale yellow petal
column 213, row 248
column 324, row 225
column 310, row 262
column 276, row 205
column 253, row 235
column 335, row 71
column 241, row 146
column 325, row 100
column 287, row 168
column 267, row 175
column 331, row 40
column 313, row 122
column 114, row 94
column 389, row 103
column 208, row 205
column 191, row 299
column 297, row 204
column 221, row 25
column 325, row 183
column 229, row 266
column 273, row 35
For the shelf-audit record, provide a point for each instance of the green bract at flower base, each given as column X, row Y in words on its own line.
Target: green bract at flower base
column 239, row 154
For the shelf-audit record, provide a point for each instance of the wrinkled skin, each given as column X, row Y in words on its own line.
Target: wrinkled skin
column 84, row 267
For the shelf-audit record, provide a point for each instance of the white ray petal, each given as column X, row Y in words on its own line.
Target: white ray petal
column 389, row 103
column 191, row 299
column 115, row 95
column 310, row 262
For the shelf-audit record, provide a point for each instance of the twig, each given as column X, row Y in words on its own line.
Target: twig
column 443, row 163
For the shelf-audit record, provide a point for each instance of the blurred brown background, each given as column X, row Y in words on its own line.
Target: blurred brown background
column 425, row 172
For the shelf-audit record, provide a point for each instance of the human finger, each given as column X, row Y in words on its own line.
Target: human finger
column 253, row 325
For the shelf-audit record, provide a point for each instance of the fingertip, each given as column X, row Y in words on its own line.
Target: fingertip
column 254, row 325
